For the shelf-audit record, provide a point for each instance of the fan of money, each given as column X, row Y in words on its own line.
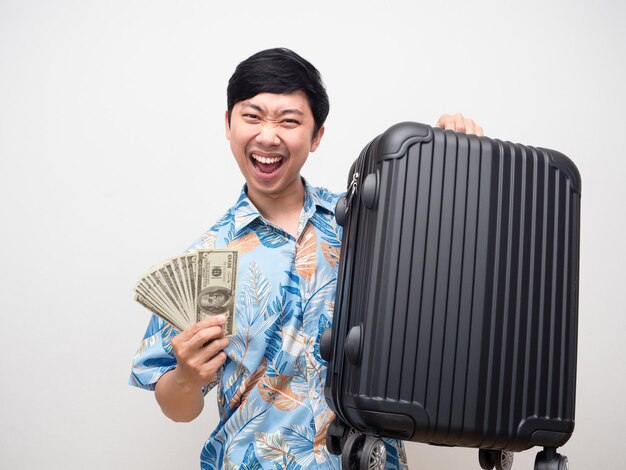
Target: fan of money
column 188, row 288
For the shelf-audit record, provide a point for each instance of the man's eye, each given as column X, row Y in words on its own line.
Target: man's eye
column 290, row 122
column 251, row 117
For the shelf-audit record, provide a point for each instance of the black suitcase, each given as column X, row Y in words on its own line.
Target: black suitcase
column 457, row 302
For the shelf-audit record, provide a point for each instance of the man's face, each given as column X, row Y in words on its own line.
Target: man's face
column 271, row 136
column 215, row 300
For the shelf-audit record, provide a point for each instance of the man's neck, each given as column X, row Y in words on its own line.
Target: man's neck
column 282, row 210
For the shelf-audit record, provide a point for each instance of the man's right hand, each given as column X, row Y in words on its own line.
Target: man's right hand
column 199, row 354
column 199, row 351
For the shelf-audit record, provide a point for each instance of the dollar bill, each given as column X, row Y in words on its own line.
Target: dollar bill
column 188, row 288
column 217, row 276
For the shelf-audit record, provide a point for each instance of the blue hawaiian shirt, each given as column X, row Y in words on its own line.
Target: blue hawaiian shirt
column 273, row 413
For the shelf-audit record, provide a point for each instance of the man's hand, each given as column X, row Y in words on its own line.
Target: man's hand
column 199, row 351
column 459, row 123
column 199, row 354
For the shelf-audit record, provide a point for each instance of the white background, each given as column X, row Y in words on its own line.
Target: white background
column 113, row 157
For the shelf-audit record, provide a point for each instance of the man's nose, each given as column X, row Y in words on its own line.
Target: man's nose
column 268, row 134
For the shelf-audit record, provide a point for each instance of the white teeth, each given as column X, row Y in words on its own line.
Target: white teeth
column 266, row 160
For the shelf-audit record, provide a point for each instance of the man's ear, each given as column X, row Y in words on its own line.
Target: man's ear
column 317, row 139
column 227, row 124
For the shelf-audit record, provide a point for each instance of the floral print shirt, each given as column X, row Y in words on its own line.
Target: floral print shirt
column 273, row 413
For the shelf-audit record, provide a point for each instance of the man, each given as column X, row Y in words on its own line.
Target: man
column 269, row 374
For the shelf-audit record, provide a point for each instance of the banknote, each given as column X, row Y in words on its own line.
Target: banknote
column 216, row 282
column 188, row 288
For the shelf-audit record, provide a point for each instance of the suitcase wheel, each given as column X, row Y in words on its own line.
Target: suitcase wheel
column 336, row 436
column 373, row 454
column 549, row 459
column 500, row 459
column 362, row 452
column 333, row 444
column 351, row 451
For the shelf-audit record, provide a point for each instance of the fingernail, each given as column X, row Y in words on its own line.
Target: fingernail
column 221, row 319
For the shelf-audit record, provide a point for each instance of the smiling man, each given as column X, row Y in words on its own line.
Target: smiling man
column 269, row 375
column 271, row 136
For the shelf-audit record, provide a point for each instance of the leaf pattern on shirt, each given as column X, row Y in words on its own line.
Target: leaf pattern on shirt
column 269, row 236
column 167, row 333
column 243, row 213
column 323, row 324
column 317, row 293
column 247, row 385
column 278, row 391
column 209, row 456
column 401, row 452
column 392, row 459
column 322, row 422
column 330, row 232
column 250, row 461
column 306, row 254
column 252, row 321
column 208, row 239
column 147, row 343
column 227, row 464
column 299, row 438
column 256, row 292
column 291, row 290
column 233, row 384
column 272, row 446
column 330, row 309
column 241, row 424
column 244, row 244
column 282, row 311
column 331, row 253
column 314, row 369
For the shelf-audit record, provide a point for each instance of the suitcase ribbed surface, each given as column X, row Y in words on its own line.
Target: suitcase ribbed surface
column 465, row 281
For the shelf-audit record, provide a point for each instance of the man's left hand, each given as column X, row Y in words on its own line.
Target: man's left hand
column 459, row 123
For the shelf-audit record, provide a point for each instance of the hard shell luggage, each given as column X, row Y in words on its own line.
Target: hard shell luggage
column 457, row 301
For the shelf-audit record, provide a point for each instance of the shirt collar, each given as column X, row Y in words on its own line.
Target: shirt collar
column 319, row 196
column 244, row 212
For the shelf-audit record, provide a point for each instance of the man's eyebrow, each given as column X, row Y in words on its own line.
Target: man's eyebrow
column 251, row 105
column 261, row 110
column 291, row 111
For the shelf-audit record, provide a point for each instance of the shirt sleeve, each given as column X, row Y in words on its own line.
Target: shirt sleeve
column 154, row 356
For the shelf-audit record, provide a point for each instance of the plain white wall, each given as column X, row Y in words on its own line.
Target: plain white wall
column 113, row 157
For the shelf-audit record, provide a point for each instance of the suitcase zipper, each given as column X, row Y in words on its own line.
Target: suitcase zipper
column 353, row 188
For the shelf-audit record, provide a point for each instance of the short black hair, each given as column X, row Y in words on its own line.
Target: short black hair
column 280, row 71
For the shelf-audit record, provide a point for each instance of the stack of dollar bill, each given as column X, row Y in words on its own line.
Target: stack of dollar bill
column 188, row 288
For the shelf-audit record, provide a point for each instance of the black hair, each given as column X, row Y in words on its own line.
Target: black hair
column 280, row 71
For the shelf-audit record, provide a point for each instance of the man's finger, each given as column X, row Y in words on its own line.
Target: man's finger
column 469, row 127
column 459, row 122
column 208, row 322
column 216, row 362
column 205, row 335
column 213, row 348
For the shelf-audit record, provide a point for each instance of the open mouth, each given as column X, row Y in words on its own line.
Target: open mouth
column 266, row 164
